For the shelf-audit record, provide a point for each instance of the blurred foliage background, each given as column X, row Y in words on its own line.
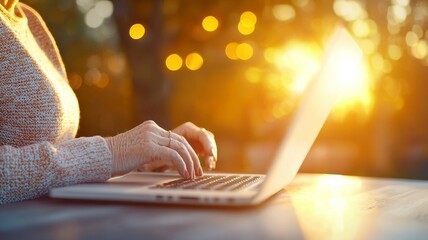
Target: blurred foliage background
column 237, row 68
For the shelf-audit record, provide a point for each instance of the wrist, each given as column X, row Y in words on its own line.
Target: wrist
column 116, row 158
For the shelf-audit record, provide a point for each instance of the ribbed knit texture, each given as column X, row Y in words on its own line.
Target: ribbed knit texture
column 39, row 115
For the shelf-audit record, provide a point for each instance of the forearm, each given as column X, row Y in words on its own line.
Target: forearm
column 30, row 171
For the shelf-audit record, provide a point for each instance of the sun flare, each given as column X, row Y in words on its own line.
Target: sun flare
column 350, row 72
column 301, row 62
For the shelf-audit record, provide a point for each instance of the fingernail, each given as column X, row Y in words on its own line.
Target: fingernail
column 211, row 164
column 213, row 152
column 199, row 172
column 186, row 174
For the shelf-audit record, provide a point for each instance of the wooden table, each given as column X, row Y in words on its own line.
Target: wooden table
column 314, row 206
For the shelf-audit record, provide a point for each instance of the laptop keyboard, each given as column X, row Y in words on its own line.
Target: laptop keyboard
column 220, row 183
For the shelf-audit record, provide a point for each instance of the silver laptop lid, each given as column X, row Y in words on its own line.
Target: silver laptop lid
column 317, row 101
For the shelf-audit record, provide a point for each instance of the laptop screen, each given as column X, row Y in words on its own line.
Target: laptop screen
column 318, row 99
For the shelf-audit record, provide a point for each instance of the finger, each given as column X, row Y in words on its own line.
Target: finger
column 197, row 168
column 181, row 148
column 196, row 164
column 210, row 163
column 168, row 154
column 176, row 143
column 202, row 136
column 207, row 141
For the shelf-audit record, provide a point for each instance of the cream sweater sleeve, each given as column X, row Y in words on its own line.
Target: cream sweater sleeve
column 30, row 171
column 39, row 115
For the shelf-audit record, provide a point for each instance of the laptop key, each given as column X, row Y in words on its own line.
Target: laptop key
column 233, row 182
column 213, row 185
column 245, row 183
column 220, row 183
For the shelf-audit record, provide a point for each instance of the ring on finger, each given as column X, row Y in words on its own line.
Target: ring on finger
column 169, row 137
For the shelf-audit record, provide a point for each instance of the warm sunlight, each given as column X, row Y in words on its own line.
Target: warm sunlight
column 357, row 91
column 351, row 73
column 333, row 185
column 301, row 61
column 325, row 207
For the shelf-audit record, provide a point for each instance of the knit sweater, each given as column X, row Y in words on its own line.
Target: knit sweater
column 39, row 115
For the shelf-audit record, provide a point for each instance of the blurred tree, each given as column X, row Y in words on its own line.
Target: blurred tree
column 151, row 89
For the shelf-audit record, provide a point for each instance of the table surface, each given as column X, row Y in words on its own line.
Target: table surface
column 313, row 206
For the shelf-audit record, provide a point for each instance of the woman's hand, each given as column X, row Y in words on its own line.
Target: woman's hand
column 202, row 141
column 150, row 144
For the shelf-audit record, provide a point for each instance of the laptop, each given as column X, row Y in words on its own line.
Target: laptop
column 229, row 189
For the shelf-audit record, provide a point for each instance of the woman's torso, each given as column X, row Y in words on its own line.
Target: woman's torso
column 36, row 101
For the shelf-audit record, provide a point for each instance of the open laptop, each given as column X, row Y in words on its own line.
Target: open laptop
column 239, row 189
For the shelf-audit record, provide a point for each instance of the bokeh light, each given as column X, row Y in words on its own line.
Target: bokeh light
column 397, row 14
column 116, row 64
column 93, row 20
column 361, row 28
column 210, row 23
column 230, row 50
column 137, row 31
column 104, row 8
column 394, row 52
column 420, row 49
column 95, row 12
column 75, row 80
column 194, row 61
column 349, row 10
column 283, row 12
column 245, row 29
column 411, row 38
column 247, row 23
column 253, row 74
column 248, row 18
column 174, row 62
column 244, row 51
